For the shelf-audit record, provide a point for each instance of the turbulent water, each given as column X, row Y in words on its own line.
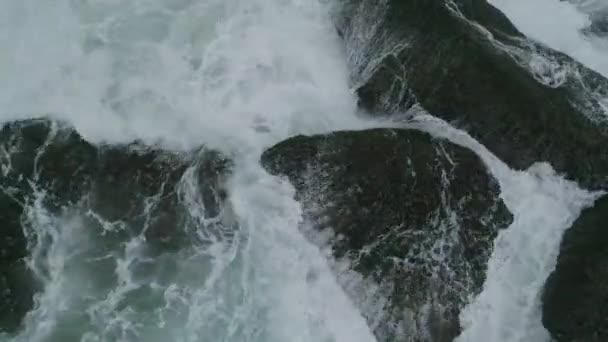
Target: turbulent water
column 239, row 76
column 234, row 75
column 561, row 25
column 544, row 205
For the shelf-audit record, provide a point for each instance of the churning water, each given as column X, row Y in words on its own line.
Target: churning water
column 561, row 25
column 544, row 205
column 237, row 76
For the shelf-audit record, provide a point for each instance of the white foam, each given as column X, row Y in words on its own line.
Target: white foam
column 263, row 69
column 239, row 75
column 300, row 303
column 236, row 75
column 558, row 24
column 544, row 205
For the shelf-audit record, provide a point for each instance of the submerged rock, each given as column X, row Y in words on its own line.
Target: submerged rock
column 463, row 61
column 417, row 216
column 576, row 294
column 118, row 192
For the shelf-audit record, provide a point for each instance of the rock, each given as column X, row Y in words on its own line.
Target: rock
column 134, row 187
column 16, row 284
column 575, row 299
column 416, row 215
column 463, row 61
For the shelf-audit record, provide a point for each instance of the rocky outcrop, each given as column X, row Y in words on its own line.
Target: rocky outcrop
column 463, row 61
column 416, row 215
column 134, row 187
column 576, row 294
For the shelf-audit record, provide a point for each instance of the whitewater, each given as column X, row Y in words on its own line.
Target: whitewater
column 237, row 76
column 561, row 25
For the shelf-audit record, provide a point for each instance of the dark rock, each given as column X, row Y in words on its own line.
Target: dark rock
column 414, row 214
column 463, row 61
column 575, row 299
column 135, row 186
column 16, row 284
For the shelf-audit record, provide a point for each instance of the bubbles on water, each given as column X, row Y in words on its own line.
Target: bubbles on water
column 233, row 75
column 185, row 72
column 544, row 205
column 238, row 76
column 560, row 25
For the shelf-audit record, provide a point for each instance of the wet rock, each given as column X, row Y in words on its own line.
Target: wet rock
column 597, row 10
column 16, row 284
column 119, row 191
column 576, row 294
column 463, row 61
column 416, row 215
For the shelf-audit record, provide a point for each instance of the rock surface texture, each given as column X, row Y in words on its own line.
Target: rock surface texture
column 416, row 215
column 463, row 61
column 576, row 293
